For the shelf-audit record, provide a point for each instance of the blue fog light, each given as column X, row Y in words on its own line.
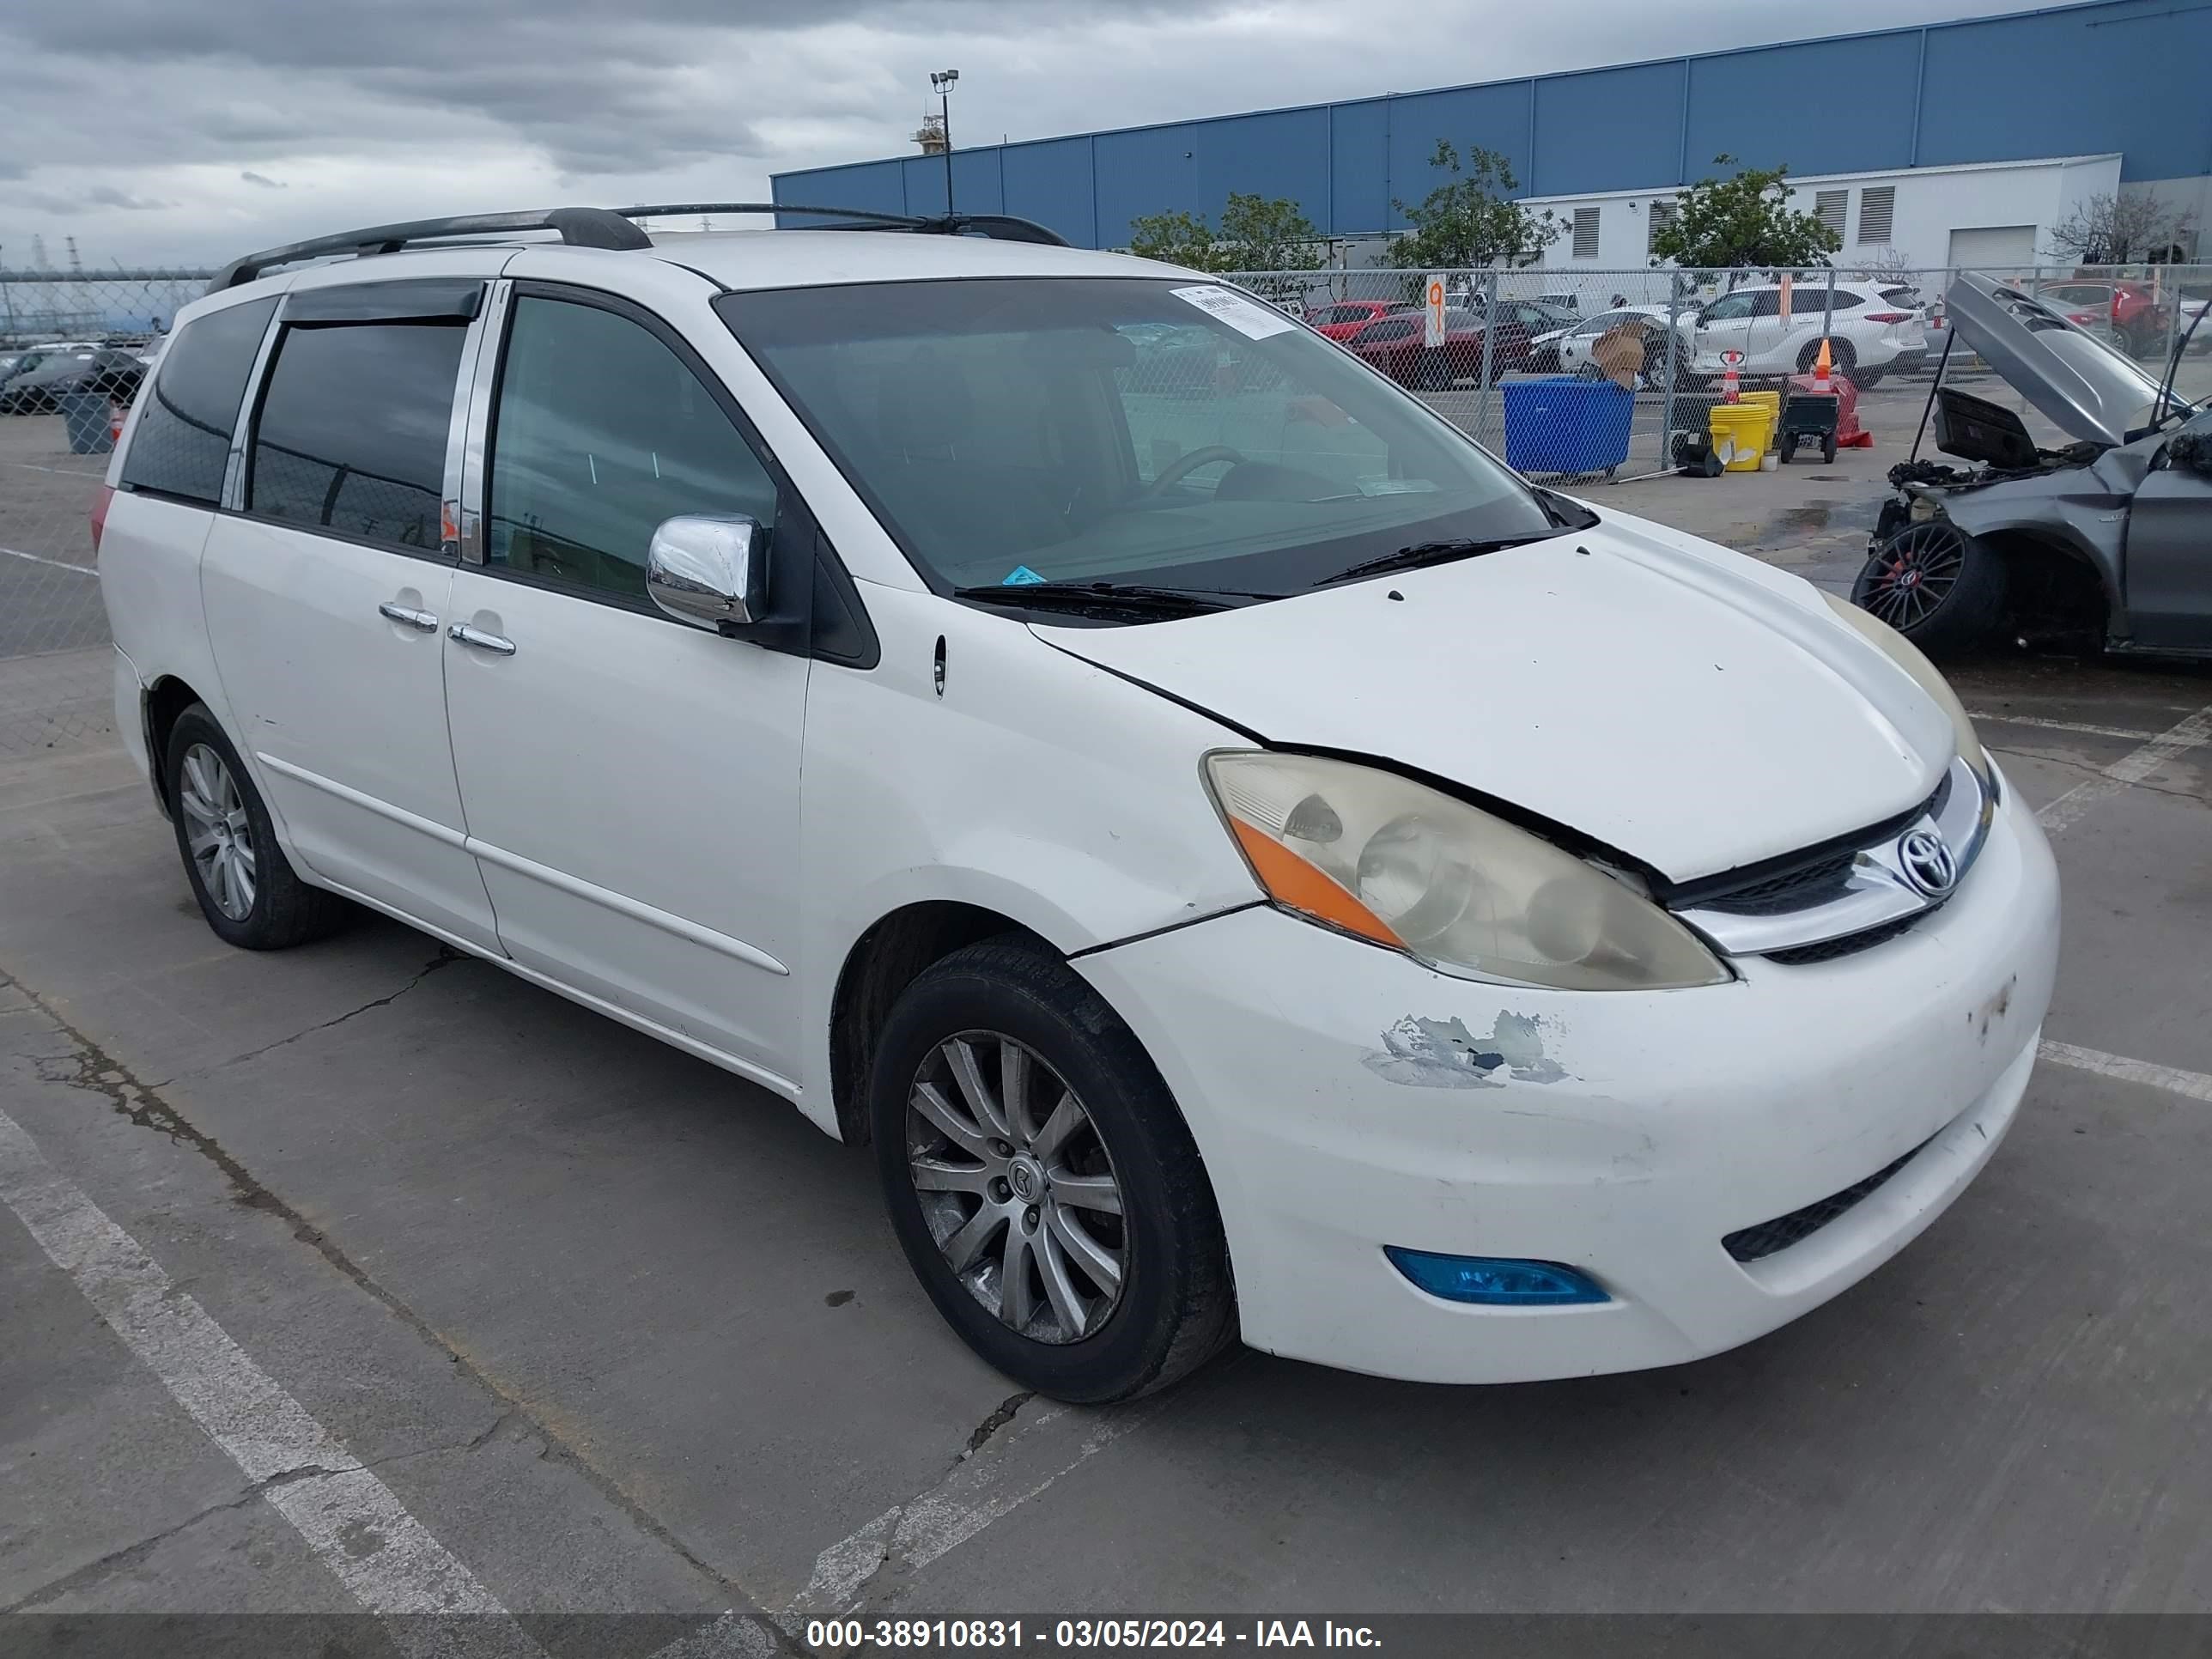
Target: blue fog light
column 1497, row 1281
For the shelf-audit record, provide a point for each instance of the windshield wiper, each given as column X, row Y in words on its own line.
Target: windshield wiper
column 1132, row 595
column 1422, row 553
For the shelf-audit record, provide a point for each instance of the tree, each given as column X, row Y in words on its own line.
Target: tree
column 2115, row 230
column 1268, row 234
column 1742, row 223
column 1256, row 234
column 1179, row 238
column 1471, row 219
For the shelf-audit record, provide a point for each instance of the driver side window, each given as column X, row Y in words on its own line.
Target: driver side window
column 600, row 433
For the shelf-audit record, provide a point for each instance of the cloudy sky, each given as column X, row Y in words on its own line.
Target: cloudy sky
column 169, row 131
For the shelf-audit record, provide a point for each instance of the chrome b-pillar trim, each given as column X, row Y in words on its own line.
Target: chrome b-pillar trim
column 472, row 421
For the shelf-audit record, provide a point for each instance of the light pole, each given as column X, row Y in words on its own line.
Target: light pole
column 944, row 80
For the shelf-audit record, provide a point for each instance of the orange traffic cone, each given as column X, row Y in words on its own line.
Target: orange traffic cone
column 1731, row 391
column 1823, row 367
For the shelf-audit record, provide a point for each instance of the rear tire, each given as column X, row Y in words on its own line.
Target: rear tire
column 1938, row 587
column 1013, row 1230
column 245, row 887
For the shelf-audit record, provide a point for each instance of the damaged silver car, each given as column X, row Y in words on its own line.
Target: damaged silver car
column 2107, row 539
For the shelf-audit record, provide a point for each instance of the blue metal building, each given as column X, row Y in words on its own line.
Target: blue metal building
column 2131, row 77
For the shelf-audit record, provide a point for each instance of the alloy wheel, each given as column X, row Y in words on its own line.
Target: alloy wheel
column 217, row 831
column 1913, row 574
column 1016, row 1187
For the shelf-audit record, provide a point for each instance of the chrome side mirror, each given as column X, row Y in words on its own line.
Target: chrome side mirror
column 709, row 570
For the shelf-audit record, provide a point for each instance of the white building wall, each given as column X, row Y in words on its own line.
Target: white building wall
column 1930, row 203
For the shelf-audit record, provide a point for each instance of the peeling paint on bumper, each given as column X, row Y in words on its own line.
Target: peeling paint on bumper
column 1637, row 1131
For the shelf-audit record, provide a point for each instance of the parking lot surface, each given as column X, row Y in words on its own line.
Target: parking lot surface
column 363, row 1272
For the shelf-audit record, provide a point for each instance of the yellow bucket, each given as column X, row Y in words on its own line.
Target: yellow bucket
column 1772, row 401
column 1749, row 426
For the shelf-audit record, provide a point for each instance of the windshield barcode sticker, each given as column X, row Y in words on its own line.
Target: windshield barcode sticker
column 1247, row 316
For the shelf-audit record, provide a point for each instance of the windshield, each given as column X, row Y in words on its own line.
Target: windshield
column 1131, row 430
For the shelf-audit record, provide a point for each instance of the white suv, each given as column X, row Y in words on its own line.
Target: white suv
column 1868, row 337
column 1249, row 863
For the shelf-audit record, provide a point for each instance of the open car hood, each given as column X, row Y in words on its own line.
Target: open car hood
column 2089, row 391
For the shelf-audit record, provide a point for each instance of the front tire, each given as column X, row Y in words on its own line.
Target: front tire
column 1041, row 1181
column 245, row 887
column 1940, row 587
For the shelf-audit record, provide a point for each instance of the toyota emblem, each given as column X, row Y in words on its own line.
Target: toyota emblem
column 1928, row 863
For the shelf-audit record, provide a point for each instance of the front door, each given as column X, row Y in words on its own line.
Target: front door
column 325, row 599
column 631, row 781
column 2169, row 553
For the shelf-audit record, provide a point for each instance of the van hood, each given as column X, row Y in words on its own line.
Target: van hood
column 2089, row 391
column 1683, row 705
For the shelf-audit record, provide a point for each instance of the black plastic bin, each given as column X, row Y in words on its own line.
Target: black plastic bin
column 87, row 414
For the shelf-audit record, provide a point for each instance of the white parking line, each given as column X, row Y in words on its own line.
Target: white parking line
column 733, row 1636
column 2195, row 1085
column 1004, row 1474
column 2131, row 767
column 2133, row 734
column 59, row 565
column 349, row 1518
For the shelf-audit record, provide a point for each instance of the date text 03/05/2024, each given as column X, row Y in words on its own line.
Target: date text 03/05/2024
column 940, row 1634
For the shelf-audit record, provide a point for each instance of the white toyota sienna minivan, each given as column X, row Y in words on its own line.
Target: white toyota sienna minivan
column 1250, row 865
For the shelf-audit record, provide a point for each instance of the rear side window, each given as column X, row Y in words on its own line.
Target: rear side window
column 182, row 442
column 352, row 434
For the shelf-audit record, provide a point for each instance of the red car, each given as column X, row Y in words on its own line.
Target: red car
column 1394, row 345
column 1347, row 316
column 2130, row 310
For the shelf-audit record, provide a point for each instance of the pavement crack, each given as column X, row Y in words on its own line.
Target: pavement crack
column 93, row 1068
column 2089, row 769
column 446, row 955
column 991, row 1425
column 130, row 1554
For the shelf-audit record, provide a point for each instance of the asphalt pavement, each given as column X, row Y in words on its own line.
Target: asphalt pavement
column 363, row 1276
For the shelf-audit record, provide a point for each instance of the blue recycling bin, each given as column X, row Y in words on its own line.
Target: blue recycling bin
column 86, row 415
column 1563, row 425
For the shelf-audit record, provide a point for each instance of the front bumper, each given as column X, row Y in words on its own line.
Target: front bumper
column 1346, row 1098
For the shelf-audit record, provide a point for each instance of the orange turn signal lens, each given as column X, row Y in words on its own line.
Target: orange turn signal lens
column 1289, row 880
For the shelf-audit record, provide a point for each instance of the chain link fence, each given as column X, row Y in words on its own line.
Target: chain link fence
column 1569, row 373
column 1580, row 374
column 74, row 347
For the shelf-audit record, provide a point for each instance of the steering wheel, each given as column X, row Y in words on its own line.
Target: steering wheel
column 1183, row 466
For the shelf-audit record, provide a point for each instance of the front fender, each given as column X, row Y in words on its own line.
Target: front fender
column 1036, row 786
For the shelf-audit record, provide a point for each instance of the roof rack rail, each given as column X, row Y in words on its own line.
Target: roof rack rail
column 997, row 227
column 579, row 227
column 589, row 227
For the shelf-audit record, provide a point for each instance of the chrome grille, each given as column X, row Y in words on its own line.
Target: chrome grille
column 1852, row 897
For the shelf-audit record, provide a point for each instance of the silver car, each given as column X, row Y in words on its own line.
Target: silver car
column 2109, row 536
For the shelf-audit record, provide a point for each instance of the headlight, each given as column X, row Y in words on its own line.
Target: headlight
column 1907, row 656
column 1388, row 859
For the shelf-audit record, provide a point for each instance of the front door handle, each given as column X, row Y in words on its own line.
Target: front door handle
column 482, row 641
column 395, row 611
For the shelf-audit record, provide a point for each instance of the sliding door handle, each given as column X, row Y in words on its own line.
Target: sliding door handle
column 392, row 611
